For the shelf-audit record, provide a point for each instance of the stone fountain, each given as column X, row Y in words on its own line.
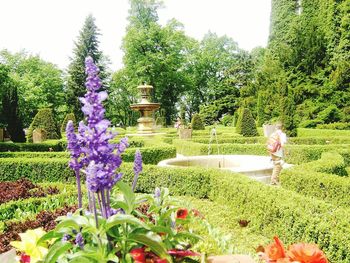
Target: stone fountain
column 146, row 109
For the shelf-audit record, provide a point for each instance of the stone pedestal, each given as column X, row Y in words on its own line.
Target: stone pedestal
column 39, row 135
column 185, row 133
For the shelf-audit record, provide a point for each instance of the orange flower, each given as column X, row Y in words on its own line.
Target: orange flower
column 283, row 260
column 306, row 253
column 275, row 250
column 181, row 213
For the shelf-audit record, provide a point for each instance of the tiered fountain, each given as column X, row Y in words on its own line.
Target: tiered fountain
column 146, row 109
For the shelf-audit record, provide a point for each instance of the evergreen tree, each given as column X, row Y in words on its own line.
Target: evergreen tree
column 260, row 110
column 197, row 122
column 44, row 119
column 69, row 117
column 288, row 113
column 10, row 113
column 246, row 123
column 86, row 45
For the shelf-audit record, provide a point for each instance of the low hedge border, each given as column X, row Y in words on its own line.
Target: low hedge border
column 23, row 207
column 318, row 179
column 295, row 154
column 263, row 140
column 31, row 147
column 150, row 155
column 272, row 211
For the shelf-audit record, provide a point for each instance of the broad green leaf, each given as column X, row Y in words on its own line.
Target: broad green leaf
column 153, row 241
column 119, row 219
column 129, row 195
column 48, row 236
column 120, row 204
column 56, row 250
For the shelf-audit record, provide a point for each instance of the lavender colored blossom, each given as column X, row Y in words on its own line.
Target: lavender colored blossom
column 137, row 168
column 79, row 240
column 157, row 192
column 66, row 237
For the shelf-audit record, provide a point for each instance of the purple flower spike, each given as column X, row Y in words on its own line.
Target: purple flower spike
column 137, row 168
column 79, row 240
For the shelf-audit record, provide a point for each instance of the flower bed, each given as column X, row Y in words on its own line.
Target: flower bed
column 23, row 189
column 43, row 219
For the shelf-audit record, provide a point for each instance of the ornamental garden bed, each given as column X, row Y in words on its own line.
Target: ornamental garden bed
column 23, row 189
column 44, row 219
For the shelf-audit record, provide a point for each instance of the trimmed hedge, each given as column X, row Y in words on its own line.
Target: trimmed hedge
column 44, row 119
column 150, row 155
column 295, row 154
column 56, row 146
column 246, row 123
column 319, row 179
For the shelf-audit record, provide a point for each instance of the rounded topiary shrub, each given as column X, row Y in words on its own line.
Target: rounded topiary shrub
column 197, row 122
column 69, row 117
column 44, row 119
column 246, row 123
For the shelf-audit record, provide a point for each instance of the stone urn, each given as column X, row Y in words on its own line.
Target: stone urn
column 185, row 133
column 268, row 129
column 39, row 135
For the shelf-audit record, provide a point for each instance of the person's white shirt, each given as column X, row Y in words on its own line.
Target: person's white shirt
column 283, row 140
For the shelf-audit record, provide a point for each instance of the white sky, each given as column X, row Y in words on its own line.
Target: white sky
column 49, row 27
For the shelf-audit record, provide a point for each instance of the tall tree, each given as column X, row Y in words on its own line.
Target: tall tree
column 156, row 55
column 10, row 112
column 87, row 44
column 39, row 84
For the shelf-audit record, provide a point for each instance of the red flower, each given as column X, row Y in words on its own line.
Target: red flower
column 275, row 250
column 138, row 254
column 306, row 253
column 182, row 253
column 182, row 213
column 24, row 258
column 161, row 260
column 197, row 213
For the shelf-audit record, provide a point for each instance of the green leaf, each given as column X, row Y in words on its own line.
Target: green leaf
column 56, row 250
column 129, row 195
column 120, row 204
column 74, row 222
column 187, row 235
column 48, row 236
column 153, row 241
column 119, row 219
column 80, row 259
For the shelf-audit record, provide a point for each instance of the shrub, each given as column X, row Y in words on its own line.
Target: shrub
column 246, row 124
column 227, row 120
column 69, row 117
column 318, row 179
column 330, row 114
column 44, row 119
column 56, row 146
column 197, row 123
column 335, row 126
column 310, row 123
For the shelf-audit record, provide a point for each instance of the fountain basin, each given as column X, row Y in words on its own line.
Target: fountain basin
column 254, row 166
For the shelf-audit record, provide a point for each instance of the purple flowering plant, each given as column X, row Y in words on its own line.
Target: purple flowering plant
column 112, row 228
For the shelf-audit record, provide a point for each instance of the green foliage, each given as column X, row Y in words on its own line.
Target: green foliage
column 39, row 84
column 330, row 114
column 10, row 115
column 69, row 117
column 155, row 55
column 44, row 119
column 56, row 146
column 288, row 114
column 246, row 124
column 310, row 123
column 227, row 120
column 335, row 126
column 197, row 122
column 86, row 45
column 260, row 111
column 318, row 179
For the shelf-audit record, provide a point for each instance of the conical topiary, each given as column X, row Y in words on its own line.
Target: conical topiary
column 246, row 123
column 44, row 119
column 197, row 122
column 69, row 117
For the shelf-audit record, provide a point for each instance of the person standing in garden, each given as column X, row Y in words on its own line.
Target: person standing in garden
column 275, row 145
